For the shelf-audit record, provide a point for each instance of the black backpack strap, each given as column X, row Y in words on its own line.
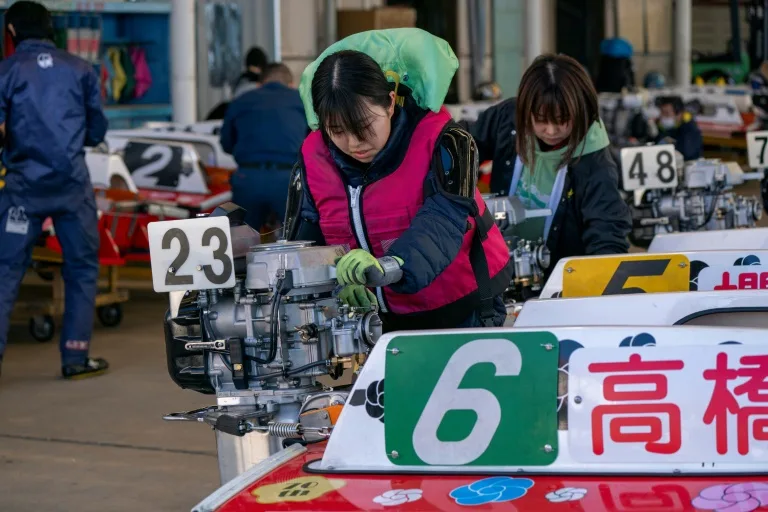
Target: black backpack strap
column 479, row 263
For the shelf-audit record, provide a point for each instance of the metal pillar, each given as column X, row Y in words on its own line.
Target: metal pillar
column 477, row 32
column 183, row 62
column 277, row 44
column 683, row 42
column 330, row 22
column 533, row 29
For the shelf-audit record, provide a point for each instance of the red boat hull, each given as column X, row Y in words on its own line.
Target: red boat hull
column 291, row 488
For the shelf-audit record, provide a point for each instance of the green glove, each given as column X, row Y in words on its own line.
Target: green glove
column 360, row 267
column 358, row 296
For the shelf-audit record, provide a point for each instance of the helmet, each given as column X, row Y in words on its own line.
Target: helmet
column 654, row 80
column 487, row 91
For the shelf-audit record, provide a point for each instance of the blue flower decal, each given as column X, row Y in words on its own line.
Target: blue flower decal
column 497, row 489
column 641, row 340
column 747, row 261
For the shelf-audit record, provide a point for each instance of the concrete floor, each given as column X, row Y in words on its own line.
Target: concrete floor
column 101, row 444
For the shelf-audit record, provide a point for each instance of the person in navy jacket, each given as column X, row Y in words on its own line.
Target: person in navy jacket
column 50, row 108
column 263, row 131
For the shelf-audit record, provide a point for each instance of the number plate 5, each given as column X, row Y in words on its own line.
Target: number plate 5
column 649, row 167
column 192, row 254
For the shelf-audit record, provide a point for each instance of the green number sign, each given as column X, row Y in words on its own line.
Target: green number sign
column 472, row 399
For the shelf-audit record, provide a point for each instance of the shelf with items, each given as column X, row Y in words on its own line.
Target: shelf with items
column 129, row 47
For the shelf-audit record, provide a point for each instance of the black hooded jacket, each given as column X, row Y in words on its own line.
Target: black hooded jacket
column 591, row 218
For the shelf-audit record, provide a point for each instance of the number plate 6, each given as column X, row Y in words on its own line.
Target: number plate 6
column 191, row 254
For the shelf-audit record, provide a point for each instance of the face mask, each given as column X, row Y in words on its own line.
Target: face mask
column 667, row 122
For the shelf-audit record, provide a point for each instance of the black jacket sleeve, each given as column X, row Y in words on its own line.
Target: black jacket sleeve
column 485, row 130
column 605, row 217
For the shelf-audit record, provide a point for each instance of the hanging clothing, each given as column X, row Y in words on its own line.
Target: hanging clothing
column 130, row 75
column 119, row 79
column 142, row 73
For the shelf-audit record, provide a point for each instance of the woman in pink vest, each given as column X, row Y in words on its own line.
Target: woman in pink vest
column 390, row 177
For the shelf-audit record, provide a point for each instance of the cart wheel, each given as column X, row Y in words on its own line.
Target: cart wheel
column 110, row 315
column 41, row 328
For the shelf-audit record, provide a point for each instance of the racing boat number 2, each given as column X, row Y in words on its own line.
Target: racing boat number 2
column 191, row 254
column 479, row 402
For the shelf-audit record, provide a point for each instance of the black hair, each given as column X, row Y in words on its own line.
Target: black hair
column 555, row 89
column 257, row 58
column 675, row 101
column 340, row 87
column 30, row 20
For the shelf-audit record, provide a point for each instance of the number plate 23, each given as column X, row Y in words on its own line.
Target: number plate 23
column 192, row 254
column 649, row 167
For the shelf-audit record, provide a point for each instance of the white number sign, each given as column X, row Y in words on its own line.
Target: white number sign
column 648, row 167
column 757, row 144
column 191, row 254
column 687, row 404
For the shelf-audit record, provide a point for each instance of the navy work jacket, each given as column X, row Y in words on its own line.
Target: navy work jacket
column 51, row 106
column 265, row 126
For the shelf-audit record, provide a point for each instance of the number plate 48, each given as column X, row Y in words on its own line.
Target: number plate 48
column 649, row 167
column 191, row 254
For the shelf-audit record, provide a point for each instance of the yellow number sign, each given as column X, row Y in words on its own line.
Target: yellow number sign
column 305, row 488
column 657, row 273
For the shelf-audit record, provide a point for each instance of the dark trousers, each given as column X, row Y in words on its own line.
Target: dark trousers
column 262, row 190
column 77, row 231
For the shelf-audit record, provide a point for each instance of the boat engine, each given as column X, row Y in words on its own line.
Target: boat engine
column 261, row 346
column 530, row 259
column 704, row 200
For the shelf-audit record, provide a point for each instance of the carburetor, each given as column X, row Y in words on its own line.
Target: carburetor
column 704, row 200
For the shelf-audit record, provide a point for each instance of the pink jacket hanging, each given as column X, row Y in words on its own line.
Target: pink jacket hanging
column 142, row 75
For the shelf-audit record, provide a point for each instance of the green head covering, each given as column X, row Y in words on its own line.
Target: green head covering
column 423, row 62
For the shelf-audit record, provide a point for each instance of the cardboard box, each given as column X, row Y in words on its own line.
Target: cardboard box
column 352, row 21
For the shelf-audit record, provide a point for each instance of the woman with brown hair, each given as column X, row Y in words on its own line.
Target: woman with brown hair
column 550, row 149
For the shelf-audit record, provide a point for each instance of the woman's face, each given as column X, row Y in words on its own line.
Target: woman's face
column 551, row 133
column 378, row 124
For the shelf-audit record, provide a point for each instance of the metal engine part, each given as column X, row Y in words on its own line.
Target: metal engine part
column 260, row 346
column 530, row 259
column 704, row 200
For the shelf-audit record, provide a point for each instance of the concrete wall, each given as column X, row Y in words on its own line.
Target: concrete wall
column 711, row 28
column 303, row 38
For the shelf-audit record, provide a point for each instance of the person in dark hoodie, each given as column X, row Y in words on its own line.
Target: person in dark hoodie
column 550, row 148
column 390, row 177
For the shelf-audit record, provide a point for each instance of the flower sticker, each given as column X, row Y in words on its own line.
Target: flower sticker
column 496, row 489
column 398, row 497
column 372, row 398
column 744, row 497
column 566, row 494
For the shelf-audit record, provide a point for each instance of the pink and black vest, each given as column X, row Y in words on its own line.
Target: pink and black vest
column 373, row 216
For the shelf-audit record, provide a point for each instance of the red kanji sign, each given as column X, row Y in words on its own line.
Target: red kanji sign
column 745, row 281
column 640, row 408
column 723, row 401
